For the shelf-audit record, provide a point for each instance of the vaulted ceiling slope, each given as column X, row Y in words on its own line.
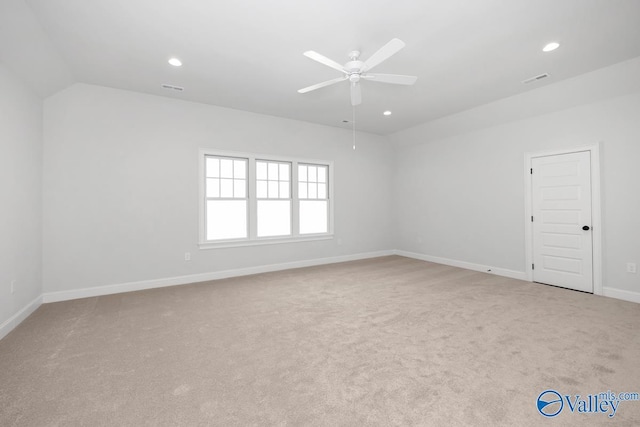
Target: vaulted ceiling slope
column 248, row 54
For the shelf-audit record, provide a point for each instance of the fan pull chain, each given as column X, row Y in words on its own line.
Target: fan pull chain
column 353, row 122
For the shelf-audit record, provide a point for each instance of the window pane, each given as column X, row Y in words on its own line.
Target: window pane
column 226, row 168
column 284, row 172
column 322, row 191
column 274, row 218
column 322, row 174
column 273, row 189
column 284, row 190
column 261, row 189
column 313, row 217
column 213, row 167
column 213, row 187
column 273, row 171
column 226, row 219
column 261, row 170
column 302, row 173
column 239, row 188
column 240, row 169
column 302, row 190
column 313, row 175
column 313, row 190
column 226, row 188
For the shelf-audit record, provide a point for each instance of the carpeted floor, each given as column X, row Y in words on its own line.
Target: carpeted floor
column 386, row 341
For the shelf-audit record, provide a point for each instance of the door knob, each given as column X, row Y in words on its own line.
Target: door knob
column 585, row 228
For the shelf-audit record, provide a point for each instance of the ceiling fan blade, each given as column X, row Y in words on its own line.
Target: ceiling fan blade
column 356, row 94
column 323, row 84
column 383, row 53
column 391, row 78
column 324, row 60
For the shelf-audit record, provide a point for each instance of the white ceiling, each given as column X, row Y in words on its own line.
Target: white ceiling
column 247, row 54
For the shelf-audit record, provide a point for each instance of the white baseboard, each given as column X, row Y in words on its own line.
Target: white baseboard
column 520, row 275
column 203, row 277
column 17, row 318
column 10, row 324
column 620, row 294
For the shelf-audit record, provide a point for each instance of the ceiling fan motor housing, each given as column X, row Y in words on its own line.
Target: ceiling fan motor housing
column 354, row 66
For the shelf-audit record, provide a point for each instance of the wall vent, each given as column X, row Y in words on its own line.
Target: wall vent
column 536, row 78
column 172, row 87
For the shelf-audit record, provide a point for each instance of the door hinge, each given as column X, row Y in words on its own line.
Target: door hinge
column 531, row 218
column 531, row 171
column 533, row 266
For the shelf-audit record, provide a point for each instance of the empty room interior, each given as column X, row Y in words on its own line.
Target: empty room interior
column 362, row 213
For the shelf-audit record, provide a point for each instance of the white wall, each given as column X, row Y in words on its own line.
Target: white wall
column 21, row 190
column 459, row 183
column 121, row 186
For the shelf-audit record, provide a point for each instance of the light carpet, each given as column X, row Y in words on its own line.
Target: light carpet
column 380, row 342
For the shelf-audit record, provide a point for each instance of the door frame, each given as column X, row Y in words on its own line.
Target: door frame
column 596, row 214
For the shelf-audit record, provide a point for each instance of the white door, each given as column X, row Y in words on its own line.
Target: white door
column 562, row 239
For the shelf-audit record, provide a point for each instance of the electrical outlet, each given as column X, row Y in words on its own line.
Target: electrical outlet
column 631, row 267
column 13, row 286
column 187, row 256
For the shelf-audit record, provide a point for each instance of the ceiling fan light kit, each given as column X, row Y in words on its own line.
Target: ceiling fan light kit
column 356, row 70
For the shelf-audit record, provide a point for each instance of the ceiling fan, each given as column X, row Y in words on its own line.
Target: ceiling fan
column 356, row 70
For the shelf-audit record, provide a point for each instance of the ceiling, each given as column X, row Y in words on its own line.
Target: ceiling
column 248, row 54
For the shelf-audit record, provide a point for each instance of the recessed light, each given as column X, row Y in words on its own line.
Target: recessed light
column 175, row 62
column 551, row 46
column 387, row 113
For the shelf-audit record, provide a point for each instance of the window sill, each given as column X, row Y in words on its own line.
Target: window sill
column 264, row 241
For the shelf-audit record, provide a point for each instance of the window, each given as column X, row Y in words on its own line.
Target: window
column 226, row 198
column 251, row 199
column 273, row 194
column 314, row 199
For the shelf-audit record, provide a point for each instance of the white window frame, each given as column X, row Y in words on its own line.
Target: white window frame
column 307, row 183
column 246, row 198
column 276, row 199
column 253, row 239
